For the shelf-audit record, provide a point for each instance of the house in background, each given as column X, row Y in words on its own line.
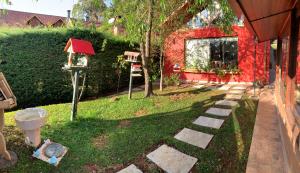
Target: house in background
column 21, row 19
column 12, row 18
column 206, row 54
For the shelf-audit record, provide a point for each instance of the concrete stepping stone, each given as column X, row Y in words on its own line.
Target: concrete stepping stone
column 193, row 137
column 199, row 86
column 225, row 87
column 130, row 169
column 233, row 97
column 219, row 112
column 227, row 103
column 209, row 122
column 236, row 91
column 241, row 87
column 172, row 160
column 213, row 87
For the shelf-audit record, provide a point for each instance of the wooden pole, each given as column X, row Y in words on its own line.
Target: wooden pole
column 1, row 119
column 3, row 151
column 254, row 68
column 130, row 83
column 75, row 95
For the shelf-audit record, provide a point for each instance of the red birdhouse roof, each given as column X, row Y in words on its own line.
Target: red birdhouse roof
column 80, row 46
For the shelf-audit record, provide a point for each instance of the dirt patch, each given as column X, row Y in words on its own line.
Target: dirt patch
column 91, row 168
column 181, row 96
column 141, row 113
column 124, row 124
column 100, row 141
column 157, row 104
column 114, row 99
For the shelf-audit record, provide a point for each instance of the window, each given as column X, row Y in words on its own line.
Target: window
column 215, row 52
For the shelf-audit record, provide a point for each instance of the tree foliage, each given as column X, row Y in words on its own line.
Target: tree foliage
column 91, row 8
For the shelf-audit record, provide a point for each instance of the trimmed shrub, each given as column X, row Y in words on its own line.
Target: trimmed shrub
column 32, row 61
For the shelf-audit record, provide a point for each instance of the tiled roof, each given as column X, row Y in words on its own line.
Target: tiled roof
column 20, row 19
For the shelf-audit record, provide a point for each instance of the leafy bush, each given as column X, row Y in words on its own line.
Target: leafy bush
column 35, row 57
column 173, row 79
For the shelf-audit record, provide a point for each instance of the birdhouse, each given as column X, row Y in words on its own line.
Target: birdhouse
column 132, row 56
column 81, row 48
column 7, row 98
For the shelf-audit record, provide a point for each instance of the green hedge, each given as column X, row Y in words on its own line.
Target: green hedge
column 34, row 60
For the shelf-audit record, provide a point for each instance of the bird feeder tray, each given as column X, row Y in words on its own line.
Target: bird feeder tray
column 75, row 68
column 51, row 152
column 136, row 75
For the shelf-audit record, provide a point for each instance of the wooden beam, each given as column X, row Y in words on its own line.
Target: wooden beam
column 246, row 16
column 294, row 32
column 279, row 52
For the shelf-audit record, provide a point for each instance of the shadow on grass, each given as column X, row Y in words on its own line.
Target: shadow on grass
column 125, row 145
column 194, row 91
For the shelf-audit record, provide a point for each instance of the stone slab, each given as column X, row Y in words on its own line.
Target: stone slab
column 235, row 91
column 172, row 160
column 227, row 103
column 219, row 112
column 240, row 87
column 209, row 122
column 130, row 169
column 225, row 87
column 213, row 87
column 193, row 137
column 199, row 86
column 233, row 97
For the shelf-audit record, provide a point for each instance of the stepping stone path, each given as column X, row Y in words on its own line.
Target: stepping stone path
column 130, row 169
column 219, row 112
column 172, row 160
column 195, row 138
column 225, row 87
column 227, row 103
column 199, row 86
column 209, row 122
column 239, row 87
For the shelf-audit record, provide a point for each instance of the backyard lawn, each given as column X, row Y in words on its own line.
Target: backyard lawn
column 110, row 134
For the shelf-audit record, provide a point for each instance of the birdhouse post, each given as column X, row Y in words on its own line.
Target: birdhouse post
column 7, row 101
column 135, row 70
column 79, row 52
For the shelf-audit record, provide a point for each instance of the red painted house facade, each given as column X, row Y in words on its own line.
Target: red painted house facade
column 251, row 57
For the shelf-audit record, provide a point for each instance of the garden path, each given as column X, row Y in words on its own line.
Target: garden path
column 173, row 161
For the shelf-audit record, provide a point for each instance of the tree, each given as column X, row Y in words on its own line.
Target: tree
column 140, row 18
column 89, row 8
column 145, row 21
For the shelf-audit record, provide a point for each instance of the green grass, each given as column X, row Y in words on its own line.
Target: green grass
column 159, row 119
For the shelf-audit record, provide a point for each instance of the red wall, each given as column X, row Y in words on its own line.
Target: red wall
column 175, row 48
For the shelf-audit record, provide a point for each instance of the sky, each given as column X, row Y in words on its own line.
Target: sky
column 51, row 7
